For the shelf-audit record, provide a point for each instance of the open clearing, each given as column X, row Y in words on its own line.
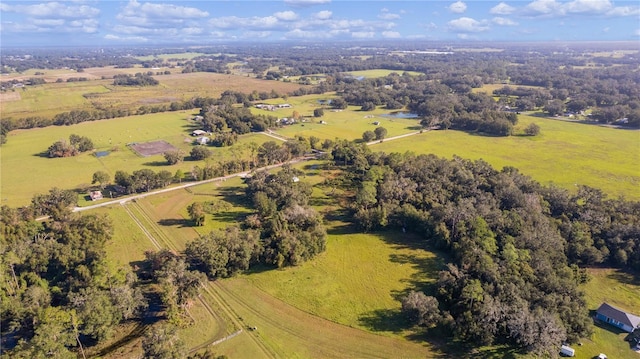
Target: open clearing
column 27, row 170
column 564, row 154
column 50, row 99
column 147, row 149
column 619, row 289
column 285, row 329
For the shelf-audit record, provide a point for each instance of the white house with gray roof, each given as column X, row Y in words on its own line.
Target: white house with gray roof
column 618, row 318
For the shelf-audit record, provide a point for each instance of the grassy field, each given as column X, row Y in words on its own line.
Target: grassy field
column 565, row 154
column 621, row 290
column 26, row 171
column 344, row 124
column 52, row 98
column 358, row 281
column 342, row 304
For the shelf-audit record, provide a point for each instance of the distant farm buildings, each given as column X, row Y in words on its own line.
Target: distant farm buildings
column 268, row 107
column 95, row 195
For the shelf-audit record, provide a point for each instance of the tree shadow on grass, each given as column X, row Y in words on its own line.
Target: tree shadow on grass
column 235, row 195
column 157, row 164
column 230, row 217
column 43, row 154
column 625, row 277
column 175, row 222
column 385, row 320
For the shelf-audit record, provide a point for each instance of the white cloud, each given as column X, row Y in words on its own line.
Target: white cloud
column 256, row 34
column 304, row 34
column 304, row 3
column 637, row 32
column 286, row 15
column 48, row 22
column 467, row 25
column 550, row 8
column 386, row 15
column 52, row 10
column 363, row 34
column 624, row 11
column 134, row 8
column 254, row 23
column 125, row 38
column 323, row 15
column 503, row 21
column 588, row 6
column 502, row 9
column 391, row 34
column 458, row 7
column 544, row 7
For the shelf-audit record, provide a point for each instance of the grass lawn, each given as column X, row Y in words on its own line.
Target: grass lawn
column 565, row 154
column 50, row 99
column 358, row 281
column 621, row 290
column 25, row 171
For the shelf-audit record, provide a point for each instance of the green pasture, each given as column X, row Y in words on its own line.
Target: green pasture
column 375, row 73
column 343, row 124
column 50, row 99
column 344, row 303
column 358, row 281
column 621, row 290
column 27, row 171
column 564, row 154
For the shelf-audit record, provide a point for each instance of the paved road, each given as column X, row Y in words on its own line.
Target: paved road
column 394, row 138
column 218, row 179
column 186, row 185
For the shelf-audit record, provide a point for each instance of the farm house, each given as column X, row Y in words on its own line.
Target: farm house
column 618, row 318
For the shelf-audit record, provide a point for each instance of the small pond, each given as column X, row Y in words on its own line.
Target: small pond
column 401, row 114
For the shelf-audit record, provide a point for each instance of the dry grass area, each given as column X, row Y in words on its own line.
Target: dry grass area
column 10, row 96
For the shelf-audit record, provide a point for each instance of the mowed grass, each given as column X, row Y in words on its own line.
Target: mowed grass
column 358, row 281
column 27, row 171
column 621, row 290
column 564, row 154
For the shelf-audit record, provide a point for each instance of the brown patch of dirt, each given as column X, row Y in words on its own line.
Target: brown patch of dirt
column 152, row 148
column 10, row 96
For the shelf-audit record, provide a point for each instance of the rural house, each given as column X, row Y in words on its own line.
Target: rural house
column 95, row 195
column 199, row 133
column 618, row 318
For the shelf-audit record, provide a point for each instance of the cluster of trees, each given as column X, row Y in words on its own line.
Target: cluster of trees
column 59, row 293
column 225, row 117
column 516, row 246
column 284, row 230
column 77, row 144
column 144, row 179
column 138, row 79
column 378, row 134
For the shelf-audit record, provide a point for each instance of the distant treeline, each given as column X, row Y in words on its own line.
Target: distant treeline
column 79, row 116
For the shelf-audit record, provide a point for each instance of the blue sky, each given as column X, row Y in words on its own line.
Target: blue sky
column 130, row 22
